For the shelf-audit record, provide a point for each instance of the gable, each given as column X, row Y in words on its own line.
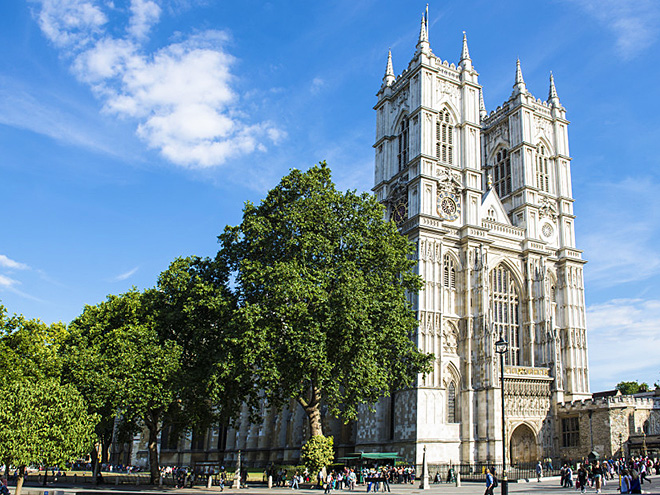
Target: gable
column 492, row 209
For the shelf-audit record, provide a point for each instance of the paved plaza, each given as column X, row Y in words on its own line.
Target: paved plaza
column 546, row 486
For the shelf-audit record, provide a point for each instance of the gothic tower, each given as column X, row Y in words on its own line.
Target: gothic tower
column 487, row 200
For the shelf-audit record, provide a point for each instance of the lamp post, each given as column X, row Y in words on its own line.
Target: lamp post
column 501, row 346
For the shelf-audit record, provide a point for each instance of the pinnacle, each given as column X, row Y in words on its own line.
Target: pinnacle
column 389, row 71
column 389, row 77
column 552, row 94
column 519, row 86
column 465, row 53
column 519, row 76
column 423, row 33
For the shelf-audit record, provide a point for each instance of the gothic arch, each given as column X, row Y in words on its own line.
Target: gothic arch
column 403, row 114
column 452, row 383
column 542, row 140
column 453, row 111
column 499, row 144
column 524, row 445
column 513, row 269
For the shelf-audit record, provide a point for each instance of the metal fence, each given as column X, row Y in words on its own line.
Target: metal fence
column 477, row 472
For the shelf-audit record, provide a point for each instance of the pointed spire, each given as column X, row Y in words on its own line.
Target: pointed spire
column 465, row 53
column 423, row 33
column 389, row 77
column 552, row 94
column 423, row 42
column 519, row 86
column 465, row 63
column 482, row 107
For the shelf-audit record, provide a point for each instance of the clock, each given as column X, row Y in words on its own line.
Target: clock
column 449, row 206
column 400, row 212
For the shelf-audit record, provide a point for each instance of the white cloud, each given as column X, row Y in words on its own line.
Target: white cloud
column 624, row 341
column 634, row 23
column 126, row 275
column 144, row 14
column 6, row 262
column 181, row 95
column 7, row 282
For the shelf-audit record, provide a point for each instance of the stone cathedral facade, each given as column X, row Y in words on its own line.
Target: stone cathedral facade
column 487, row 200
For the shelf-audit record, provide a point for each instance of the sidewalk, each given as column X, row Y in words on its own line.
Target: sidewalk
column 469, row 488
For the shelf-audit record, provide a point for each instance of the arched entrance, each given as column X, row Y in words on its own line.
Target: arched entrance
column 523, row 446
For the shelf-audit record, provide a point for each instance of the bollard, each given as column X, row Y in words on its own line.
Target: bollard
column 458, row 479
column 270, row 481
column 160, row 480
column 116, row 480
column 209, row 482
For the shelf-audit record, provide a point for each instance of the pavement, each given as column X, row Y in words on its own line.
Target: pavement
column 466, row 488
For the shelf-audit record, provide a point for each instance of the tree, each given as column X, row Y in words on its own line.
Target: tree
column 43, row 422
column 162, row 356
column 630, row 388
column 321, row 282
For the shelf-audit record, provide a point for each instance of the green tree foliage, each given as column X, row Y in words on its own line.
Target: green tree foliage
column 321, row 283
column 317, row 453
column 43, row 422
column 160, row 356
column 634, row 387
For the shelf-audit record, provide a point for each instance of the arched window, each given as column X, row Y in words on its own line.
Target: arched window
column 502, row 173
column 444, row 137
column 451, row 403
column 542, row 174
column 402, row 157
column 505, row 311
column 449, row 273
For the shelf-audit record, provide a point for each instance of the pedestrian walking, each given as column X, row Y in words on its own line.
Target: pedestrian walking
column 539, row 471
column 490, row 482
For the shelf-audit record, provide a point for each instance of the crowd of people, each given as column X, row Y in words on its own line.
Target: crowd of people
column 633, row 472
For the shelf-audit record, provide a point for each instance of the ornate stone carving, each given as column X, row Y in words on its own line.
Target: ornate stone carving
column 449, row 338
column 547, row 208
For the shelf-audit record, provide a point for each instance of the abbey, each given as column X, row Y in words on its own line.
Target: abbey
column 486, row 198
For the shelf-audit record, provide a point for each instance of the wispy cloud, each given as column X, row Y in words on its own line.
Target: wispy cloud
column 181, row 95
column 624, row 341
column 627, row 253
column 634, row 23
column 126, row 275
column 7, row 281
column 6, row 262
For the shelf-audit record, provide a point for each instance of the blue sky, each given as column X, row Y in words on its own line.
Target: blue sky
column 132, row 131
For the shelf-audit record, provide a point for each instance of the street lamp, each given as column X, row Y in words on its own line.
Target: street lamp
column 501, row 346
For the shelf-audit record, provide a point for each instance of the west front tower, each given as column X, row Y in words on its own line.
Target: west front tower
column 487, row 201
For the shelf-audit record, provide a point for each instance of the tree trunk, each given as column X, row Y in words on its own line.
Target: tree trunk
column 20, row 480
column 154, row 468
column 96, row 466
column 312, row 408
column 45, row 476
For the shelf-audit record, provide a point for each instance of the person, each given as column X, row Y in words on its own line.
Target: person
column 386, row 480
column 539, row 471
column 635, row 484
column 569, row 477
column 294, row 481
column 598, row 476
column 328, row 483
column 489, row 483
column 4, row 489
column 582, row 478
column 625, row 482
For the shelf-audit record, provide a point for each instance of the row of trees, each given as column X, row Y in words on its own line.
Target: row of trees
column 305, row 301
